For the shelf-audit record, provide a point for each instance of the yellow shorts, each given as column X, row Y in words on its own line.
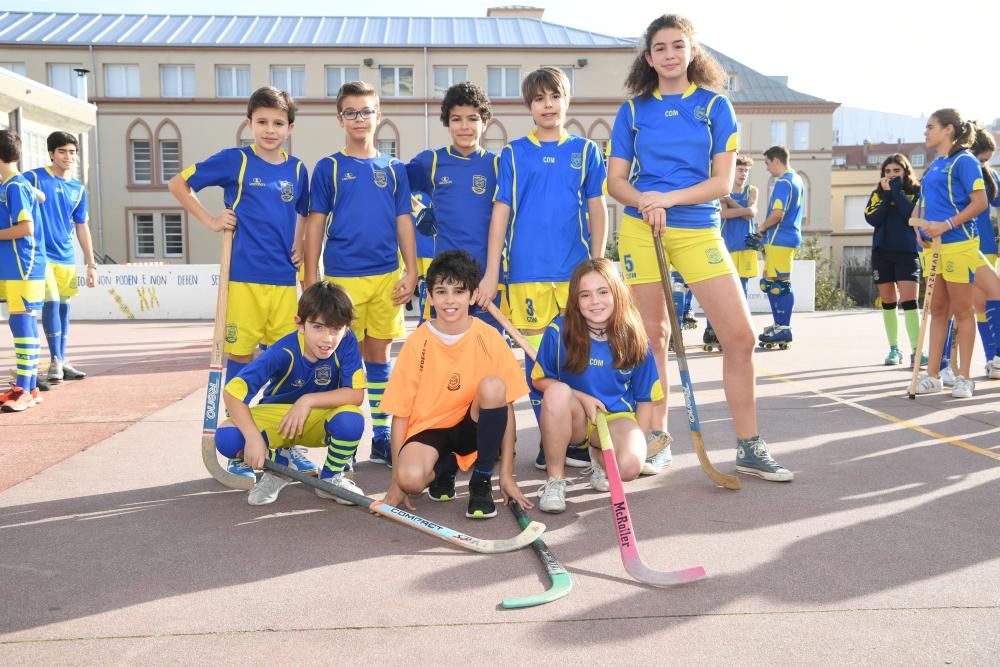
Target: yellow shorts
column 697, row 254
column 375, row 314
column 778, row 261
column 23, row 296
column 746, row 263
column 612, row 416
column 268, row 417
column 258, row 314
column 423, row 263
column 960, row 261
column 60, row 282
column 991, row 259
column 534, row 305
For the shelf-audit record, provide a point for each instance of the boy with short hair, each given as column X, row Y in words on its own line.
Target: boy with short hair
column 782, row 234
column 22, row 272
column 266, row 194
column 549, row 214
column 313, row 384
column 64, row 212
column 451, row 396
column 361, row 199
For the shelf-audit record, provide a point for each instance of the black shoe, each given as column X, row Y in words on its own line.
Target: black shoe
column 442, row 489
column 576, row 457
column 540, row 459
column 481, row 505
column 43, row 385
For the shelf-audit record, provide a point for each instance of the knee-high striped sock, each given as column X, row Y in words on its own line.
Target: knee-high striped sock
column 63, row 328
column 534, row 395
column 993, row 324
column 343, row 432
column 377, row 375
column 25, row 347
column 51, row 326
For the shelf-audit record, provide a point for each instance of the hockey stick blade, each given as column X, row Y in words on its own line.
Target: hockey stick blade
column 529, row 534
column 561, row 582
column 623, row 524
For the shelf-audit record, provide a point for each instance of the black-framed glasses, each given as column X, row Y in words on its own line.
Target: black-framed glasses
column 354, row 114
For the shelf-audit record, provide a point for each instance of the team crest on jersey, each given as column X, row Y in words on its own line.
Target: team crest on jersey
column 576, row 160
column 380, row 179
column 701, row 113
column 287, row 191
column 348, row 176
column 231, row 333
column 479, row 184
column 323, row 375
column 713, row 255
column 454, row 382
column 257, row 183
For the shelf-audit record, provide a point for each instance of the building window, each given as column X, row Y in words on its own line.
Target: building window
column 173, row 235
column 387, row 147
column 144, row 234
column 337, row 76
column 170, row 159
column 503, row 81
column 732, row 83
column 839, row 161
column 917, row 159
column 121, row 80
column 854, row 213
column 800, row 135
column 876, row 159
column 570, row 76
column 396, row 81
column 446, row 77
column 495, row 137
column 858, row 256
column 177, row 80
column 62, row 77
column 142, row 161
column 16, row 68
column 232, row 80
column 779, row 133
column 290, row 78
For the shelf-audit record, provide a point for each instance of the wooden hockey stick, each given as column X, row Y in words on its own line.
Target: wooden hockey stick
column 627, row 545
column 213, row 397
column 529, row 534
column 561, row 582
column 926, row 315
column 717, row 476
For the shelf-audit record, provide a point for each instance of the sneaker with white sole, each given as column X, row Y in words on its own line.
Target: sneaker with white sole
column 993, row 369
column 598, row 477
column 239, row 467
column 70, row 373
column 754, row 458
column 947, row 376
column 552, row 496
column 656, row 461
column 964, row 387
column 344, row 482
column 928, row 385
column 55, row 373
column 266, row 490
column 298, row 457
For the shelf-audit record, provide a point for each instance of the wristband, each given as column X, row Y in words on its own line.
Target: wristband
column 92, row 266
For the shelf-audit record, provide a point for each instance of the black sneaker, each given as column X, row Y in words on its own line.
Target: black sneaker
column 442, row 489
column 481, row 505
column 576, row 457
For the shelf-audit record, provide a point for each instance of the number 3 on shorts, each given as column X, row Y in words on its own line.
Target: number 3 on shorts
column 529, row 306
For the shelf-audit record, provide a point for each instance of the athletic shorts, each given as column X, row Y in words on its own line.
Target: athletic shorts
column 892, row 266
column 991, row 259
column 592, row 428
column 258, row 314
column 60, row 282
column 960, row 261
column 267, row 417
column 375, row 314
column 778, row 262
column 460, row 440
column 23, row 296
column 697, row 254
column 423, row 263
column 534, row 305
column 746, row 263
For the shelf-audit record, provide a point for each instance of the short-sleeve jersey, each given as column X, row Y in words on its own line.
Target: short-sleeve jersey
column 23, row 258
column 287, row 375
column 787, row 195
column 433, row 383
column 361, row 197
column 547, row 185
column 619, row 389
column 946, row 188
column 265, row 198
column 461, row 189
column 65, row 207
column 735, row 230
column 670, row 141
column 984, row 225
column 425, row 244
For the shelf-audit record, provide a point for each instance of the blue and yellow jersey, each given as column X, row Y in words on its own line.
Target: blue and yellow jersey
column 425, row 244
column 984, row 226
column 361, row 197
column 670, row 141
column 23, row 258
column 787, row 195
column 547, row 185
column 618, row 389
column 265, row 198
column 946, row 189
column 735, row 230
column 461, row 189
column 65, row 207
column 288, row 375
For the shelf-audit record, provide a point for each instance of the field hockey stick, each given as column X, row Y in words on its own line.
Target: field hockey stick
column 511, row 330
column 717, row 476
column 213, row 397
column 558, row 576
column 528, row 535
column 928, row 299
column 627, row 540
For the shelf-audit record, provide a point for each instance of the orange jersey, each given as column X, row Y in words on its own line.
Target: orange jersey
column 433, row 384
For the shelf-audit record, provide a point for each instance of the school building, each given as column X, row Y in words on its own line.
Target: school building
column 172, row 89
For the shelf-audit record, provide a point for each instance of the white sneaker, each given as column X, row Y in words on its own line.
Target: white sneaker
column 341, row 481
column 598, row 477
column 266, row 490
column 552, row 496
column 963, row 387
column 928, row 385
column 993, row 369
column 947, row 376
column 657, row 460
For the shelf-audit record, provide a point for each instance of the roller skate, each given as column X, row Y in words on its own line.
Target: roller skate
column 768, row 331
column 779, row 337
column 710, row 341
column 689, row 322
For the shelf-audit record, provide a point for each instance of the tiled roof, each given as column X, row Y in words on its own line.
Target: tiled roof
column 752, row 87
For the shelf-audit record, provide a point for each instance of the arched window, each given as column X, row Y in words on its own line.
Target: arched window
column 387, row 139
column 574, row 127
column 600, row 134
column 806, row 198
column 168, row 151
column 140, row 153
column 244, row 137
column 495, row 137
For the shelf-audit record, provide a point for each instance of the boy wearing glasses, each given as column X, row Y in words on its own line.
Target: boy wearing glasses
column 360, row 217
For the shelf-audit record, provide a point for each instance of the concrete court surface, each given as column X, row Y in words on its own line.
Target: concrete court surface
column 117, row 548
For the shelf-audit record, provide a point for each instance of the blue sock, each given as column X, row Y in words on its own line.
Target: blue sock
column 534, row 395
column 25, row 346
column 946, row 353
column 688, row 297
column 229, row 442
column 783, row 306
column 52, row 327
column 343, row 433
column 233, row 369
column 63, row 328
column 986, row 335
column 993, row 321
column 772, row 300
column 378, row 376
column 746, row 287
